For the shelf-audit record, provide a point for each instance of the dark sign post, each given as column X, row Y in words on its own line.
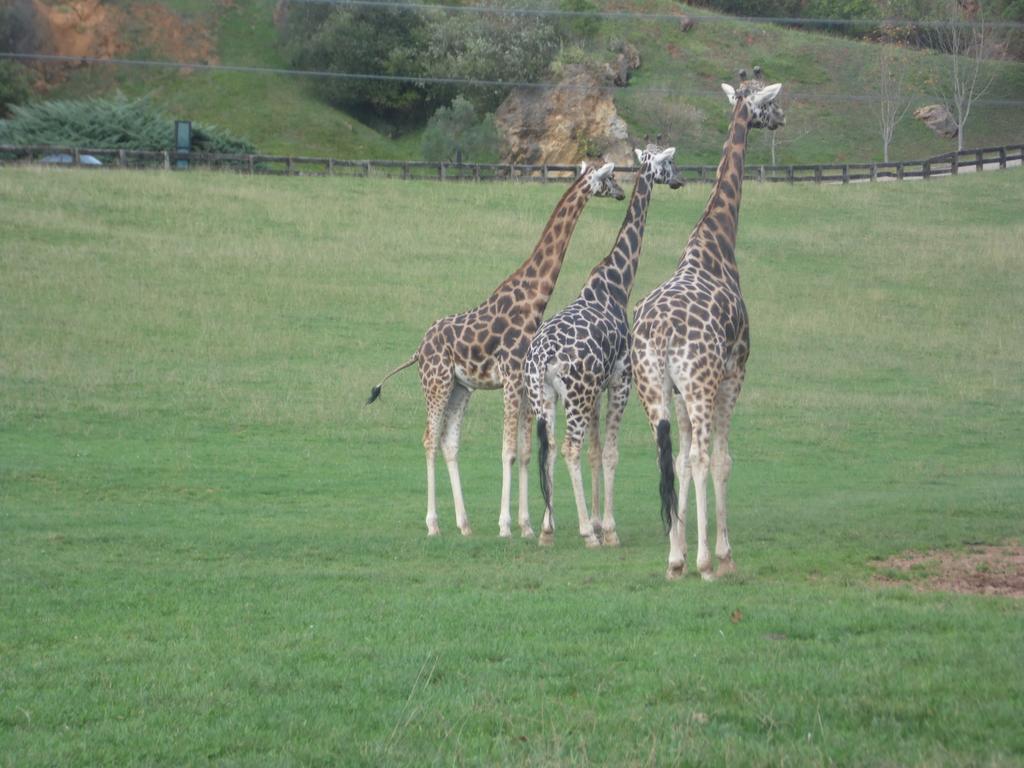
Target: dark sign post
column 182, row 142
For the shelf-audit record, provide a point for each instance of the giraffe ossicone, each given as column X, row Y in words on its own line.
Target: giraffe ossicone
column 484, row 348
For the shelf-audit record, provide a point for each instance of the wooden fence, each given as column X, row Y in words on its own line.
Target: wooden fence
column 987, row 158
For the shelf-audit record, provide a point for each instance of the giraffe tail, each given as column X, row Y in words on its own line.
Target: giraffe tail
column 542, row 460
column 669, row 500
column 375, row 392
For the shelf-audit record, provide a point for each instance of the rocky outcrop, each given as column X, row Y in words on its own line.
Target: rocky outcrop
column 94, row 29
column 938, row 118
column 562, row 125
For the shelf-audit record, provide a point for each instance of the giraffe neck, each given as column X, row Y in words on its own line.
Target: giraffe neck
column 716, row 229
column 535, row 279
column 613, row 276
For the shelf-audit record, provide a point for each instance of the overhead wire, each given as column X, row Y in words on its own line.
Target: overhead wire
column 422, row 80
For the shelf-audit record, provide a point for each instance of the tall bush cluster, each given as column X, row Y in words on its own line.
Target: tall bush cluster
column 117, row 123
column 498, row 49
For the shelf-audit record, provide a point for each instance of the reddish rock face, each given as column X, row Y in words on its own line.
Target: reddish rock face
column 563, row 124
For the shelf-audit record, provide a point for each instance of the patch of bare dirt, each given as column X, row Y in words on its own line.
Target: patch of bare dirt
column 978, row 570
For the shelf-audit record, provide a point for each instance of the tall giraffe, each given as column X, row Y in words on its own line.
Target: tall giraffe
column 584, row 350
column 484, row 348
column 691, row 341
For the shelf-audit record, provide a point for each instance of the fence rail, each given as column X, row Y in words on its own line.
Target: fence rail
column 951, row 163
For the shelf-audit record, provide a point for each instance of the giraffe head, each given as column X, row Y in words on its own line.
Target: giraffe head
column 765, row 111
column 665, row 171
column 602, row 181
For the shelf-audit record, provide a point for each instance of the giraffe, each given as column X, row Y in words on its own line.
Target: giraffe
column 691, row 341
column 484, row 348
column 584, row 350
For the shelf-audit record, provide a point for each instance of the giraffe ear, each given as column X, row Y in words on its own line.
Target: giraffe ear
column 766, row 94
column 668, row 154
column 639, row 155
column 730, row 92
column 605, row 170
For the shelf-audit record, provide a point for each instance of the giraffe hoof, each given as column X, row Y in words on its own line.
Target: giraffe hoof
column 546, row 539
column 725, row 567
column 675, row 571
column 527, row 532
column 467, row 531
column 431, row 532
column 504, row 534
column 591, row 541
column 611, row 539
column 707, row 575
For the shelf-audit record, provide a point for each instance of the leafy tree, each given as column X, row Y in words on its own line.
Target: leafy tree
column 498, row 48
column 377, row 42
column 457, row 128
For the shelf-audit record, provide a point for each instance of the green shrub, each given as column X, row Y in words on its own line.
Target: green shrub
column 116, row 123
column 456, row 128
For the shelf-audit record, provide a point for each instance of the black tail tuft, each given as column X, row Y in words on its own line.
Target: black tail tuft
column 669, row 500
column 374, row 394
column 542, row 461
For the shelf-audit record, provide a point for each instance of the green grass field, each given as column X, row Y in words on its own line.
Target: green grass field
column 211, row 553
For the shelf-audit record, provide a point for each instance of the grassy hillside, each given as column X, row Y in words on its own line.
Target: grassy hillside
column 280, row 114
column 213, row 553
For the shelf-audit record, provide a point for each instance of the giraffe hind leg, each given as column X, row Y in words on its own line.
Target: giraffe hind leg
column 454, row 413
column 721, row 468
column 578, row 415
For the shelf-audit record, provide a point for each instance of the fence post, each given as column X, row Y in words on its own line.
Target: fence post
column 817, row 174
column 330, row 166
column 979, row 160
column 760, row 173
column 122, row 159
column 77, row 157
column 476, row 172
column 1002, row 157
column 874, row 172
column 790, row 175
column 405, row 171
column 366, row 169
column 899, row 171
column 167, row 160
column 926, row 170
column 544, row 173
column 288, row 167
column 846, row 174
column 954, row 165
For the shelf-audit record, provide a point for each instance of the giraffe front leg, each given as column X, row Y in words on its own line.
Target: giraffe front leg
column 509, row 445
column 525, row 425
